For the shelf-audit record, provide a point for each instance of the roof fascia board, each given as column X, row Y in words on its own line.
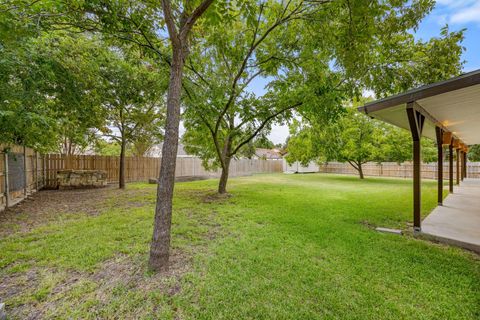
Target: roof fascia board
column 460, row 82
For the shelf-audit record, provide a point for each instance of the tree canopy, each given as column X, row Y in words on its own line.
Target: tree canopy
column 310, row 68
column 133, row 102
column 49, row 90
column 354, row 138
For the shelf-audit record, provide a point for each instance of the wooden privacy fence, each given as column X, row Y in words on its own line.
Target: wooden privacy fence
column 404, row 170
column 144, row 168
column 23, row 171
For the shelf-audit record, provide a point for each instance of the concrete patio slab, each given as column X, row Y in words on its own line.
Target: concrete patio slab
column 457, row 222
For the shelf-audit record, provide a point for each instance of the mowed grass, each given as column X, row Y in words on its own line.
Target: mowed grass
column 280, row 247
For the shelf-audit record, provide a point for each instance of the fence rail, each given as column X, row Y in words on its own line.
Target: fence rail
column 28, row 171
column 144, row 168
column 404, row 170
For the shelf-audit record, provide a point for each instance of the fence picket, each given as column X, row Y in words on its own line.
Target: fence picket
column 404, row 170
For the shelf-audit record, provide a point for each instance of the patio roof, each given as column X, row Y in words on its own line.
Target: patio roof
column 446, row 111
column 453, row 105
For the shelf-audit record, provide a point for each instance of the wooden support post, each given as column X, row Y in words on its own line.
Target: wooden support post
column 416, row 121
column 466, row 165
column 462, row 155
column 439, row 132
column 457, row 151
column 7, row 185
column 450, row 165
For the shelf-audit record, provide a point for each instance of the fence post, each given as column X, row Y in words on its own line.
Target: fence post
column 36, row 171
column 7, row 186
column 44, row 167
column 25, row 177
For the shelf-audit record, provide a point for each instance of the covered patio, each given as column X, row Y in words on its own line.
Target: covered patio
column 457, row 221
column 449, row 113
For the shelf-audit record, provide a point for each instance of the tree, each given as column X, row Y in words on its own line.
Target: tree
column 353, row 138
column 133, row 103
column 144, row 141
column 107, row 148
column 48, row 91
column 397, row 145
column 263, row 142
column 310, row 71
column 77, row 104
column 260, row 142
column 222, row 118
column 179, row 37
column 474, row 153
column 147, row 25
column 302, row 144
column 356, row 139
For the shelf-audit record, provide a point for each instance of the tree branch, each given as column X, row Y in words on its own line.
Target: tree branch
column 352, row 163
column 262, row 125
column 255, row 43
column 170, row 22
column 197, row 13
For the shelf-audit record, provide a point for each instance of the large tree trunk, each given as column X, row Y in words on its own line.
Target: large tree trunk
column 360, row 170
column 222, row 184
column 121, row 174
column 226, row 157
column 159, row 249
column 357, row 165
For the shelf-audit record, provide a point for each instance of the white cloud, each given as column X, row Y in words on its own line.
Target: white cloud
column 458, row 12
column 456, row 3
column 466, row 15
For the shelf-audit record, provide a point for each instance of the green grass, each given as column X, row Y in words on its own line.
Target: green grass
column 281, row 247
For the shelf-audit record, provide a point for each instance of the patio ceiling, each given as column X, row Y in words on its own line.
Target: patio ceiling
column 453, row 105
column 446, row 111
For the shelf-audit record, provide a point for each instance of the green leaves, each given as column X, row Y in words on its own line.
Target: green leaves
column 49, row 86
column 132, row 100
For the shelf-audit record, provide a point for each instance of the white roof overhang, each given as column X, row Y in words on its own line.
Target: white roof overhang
column 453, row 105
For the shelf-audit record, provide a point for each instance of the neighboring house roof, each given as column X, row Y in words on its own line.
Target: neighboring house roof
column 268, row 153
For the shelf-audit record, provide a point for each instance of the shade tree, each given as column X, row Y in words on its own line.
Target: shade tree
column 474, row 153
column 163, row 30
column 222, row 117
column 307, row 66
column 352, row 138
column 133, row 102
column 48, row 91
column 355, row 139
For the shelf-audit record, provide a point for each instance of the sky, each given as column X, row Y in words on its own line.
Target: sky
column 458, row 14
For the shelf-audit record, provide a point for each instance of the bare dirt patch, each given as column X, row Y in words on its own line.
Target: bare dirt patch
column 122, row 271
column 50, row 205
column 47, row 205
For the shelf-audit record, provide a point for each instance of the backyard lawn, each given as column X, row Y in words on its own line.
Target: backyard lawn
column 278, row 247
